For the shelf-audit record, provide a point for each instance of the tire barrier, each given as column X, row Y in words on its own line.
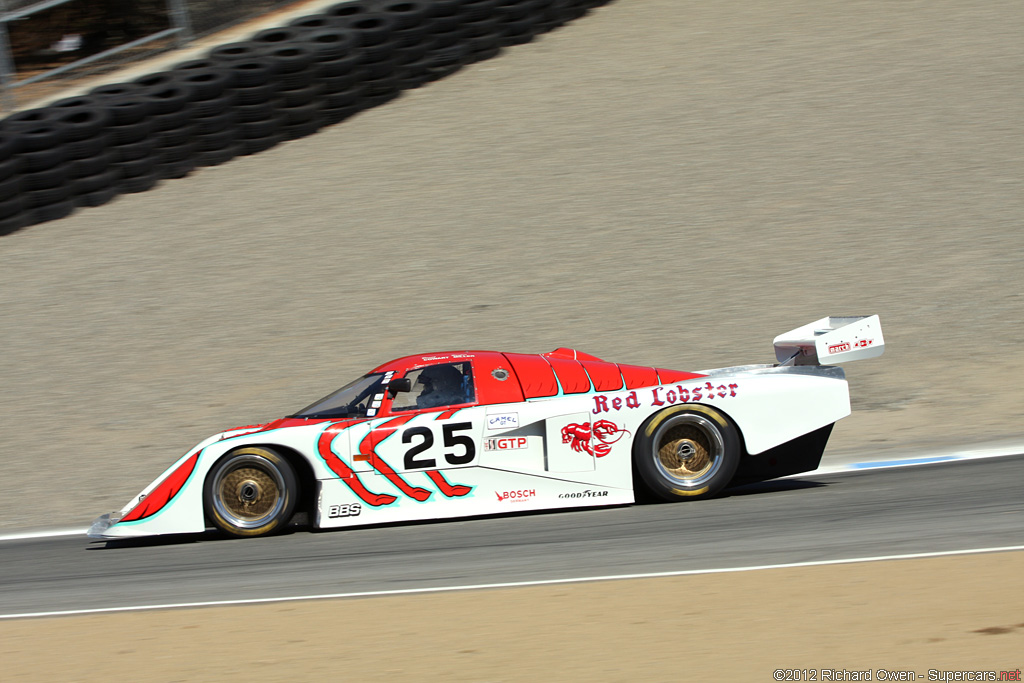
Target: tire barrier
column 245, row 97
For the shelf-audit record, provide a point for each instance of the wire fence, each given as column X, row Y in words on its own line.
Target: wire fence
column 45, row 44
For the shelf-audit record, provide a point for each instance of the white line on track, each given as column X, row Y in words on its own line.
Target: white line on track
column 910, row 461
column 514, row 584
column 46, row 533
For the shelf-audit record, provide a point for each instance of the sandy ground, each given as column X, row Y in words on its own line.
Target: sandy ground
column 948, row 614
column 663, row 182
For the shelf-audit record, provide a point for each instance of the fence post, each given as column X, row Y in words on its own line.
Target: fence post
column 178, row 11
column 7, row 101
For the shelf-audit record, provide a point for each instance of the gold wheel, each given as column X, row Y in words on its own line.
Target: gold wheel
column 685, row 452
column 250, row 492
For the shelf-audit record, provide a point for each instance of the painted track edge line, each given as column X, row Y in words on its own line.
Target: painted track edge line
column 912, row 461
column 48, row 533
column 513, row 584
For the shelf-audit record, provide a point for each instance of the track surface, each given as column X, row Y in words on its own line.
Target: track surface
column 941, row 507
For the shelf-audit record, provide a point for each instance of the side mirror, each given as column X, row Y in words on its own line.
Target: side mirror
column 397, row 386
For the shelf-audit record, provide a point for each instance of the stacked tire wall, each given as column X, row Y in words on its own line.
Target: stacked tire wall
column 281, row 84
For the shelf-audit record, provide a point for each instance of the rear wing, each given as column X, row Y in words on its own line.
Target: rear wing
column 831, row 340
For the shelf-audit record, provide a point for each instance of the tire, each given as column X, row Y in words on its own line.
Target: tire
column 132, row 133
column 304, row 129
column 116, row 90
column 53, row 212
column 260, row 129
column 135, row 168
column 10, row 187
column 167, row 155
column 137, row 150
column 97, row 198
column 230, row 52
column 80, row 168
column 686, row 453
column 12, row 207
column 214, row 106
column 251, row 491
column 345, row 98
column 406, row 13
column 139, row 183
column 194, row 64
column 339, row 114
column 351, row 8
column 217, row 157
column 378, row 99
column 169, row 98
column 175, row 136
column 81, row 123
column 175, row 169
column 41, row 137
column 256, row 145
column 14, row 223
column 10, row 145
column 328, row 44
column 95, row 183
column 252, row 72
column 215, row 141
column 294, row 116
column 296, row 80
column 313, row 22
column 44, row 159
column 211, row 124
column 10, row 167
column 337, row 67
column 478, row 10
column 41, row 180
column 297, row 98
column 256, row 94
column 90, row 147
column 279, row 36
column 160, row 79
column 255, row 112
column 172, row 120
column 291, row 58
column 51, row 195
column 371, row 28
column 127, row 111
column 28, row 118
column 208, row 83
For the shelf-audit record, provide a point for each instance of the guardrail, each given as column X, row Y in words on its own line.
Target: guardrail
column 56, row 32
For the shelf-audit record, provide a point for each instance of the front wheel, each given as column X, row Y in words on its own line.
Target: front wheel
column 251, row 491
column 685, row 453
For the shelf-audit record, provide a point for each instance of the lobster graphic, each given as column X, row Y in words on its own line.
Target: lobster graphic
column 595, row 439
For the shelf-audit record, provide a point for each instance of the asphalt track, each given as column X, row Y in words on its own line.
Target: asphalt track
column 933, row 508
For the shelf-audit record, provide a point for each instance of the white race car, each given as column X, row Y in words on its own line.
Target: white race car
column 466, row 433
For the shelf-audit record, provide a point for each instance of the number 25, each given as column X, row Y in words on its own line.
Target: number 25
column 451, row 440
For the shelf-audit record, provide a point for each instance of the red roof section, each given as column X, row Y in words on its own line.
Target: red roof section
column 541, row 375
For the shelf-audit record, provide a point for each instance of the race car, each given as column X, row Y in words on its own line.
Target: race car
column 467, row 433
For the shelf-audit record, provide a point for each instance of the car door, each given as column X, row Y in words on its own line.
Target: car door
column 432, row 426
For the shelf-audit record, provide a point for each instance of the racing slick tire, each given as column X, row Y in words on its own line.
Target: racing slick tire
column 686, row 453
column 251, row 491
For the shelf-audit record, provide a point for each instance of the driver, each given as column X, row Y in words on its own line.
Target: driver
column 442, row 386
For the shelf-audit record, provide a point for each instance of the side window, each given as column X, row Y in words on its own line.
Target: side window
column 447, row 384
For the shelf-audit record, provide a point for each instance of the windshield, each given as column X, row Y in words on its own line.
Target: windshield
column 352, row 400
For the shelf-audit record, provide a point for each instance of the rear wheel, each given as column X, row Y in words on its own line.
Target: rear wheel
column 684, row 453
column 251, row 491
